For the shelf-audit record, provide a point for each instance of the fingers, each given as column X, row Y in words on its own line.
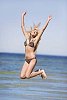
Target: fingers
column 49, row 18
column 24, row 13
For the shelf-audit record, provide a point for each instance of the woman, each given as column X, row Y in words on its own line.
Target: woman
column 32, row 39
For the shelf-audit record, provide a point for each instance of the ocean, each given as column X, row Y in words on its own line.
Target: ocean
column 14, row 88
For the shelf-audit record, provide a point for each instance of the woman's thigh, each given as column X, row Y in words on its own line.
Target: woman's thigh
column 24, row 68
column 31, row 66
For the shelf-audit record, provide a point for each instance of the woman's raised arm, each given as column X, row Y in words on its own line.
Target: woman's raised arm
column 42, row 30
column 23, row 25
column 46, row 24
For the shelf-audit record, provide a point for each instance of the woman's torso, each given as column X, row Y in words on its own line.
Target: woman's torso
column 29, row 50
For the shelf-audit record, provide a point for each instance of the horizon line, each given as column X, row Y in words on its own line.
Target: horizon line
column 36, row 54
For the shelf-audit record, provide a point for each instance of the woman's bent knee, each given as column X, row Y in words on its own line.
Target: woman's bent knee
column 22, row 76
column 27, row 76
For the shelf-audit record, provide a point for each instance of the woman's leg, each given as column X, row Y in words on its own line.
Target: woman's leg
column 29, row 73
column 33, row 74
column 43, row 75
column 23, row 71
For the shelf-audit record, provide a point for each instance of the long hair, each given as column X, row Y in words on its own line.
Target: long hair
column 29, row 32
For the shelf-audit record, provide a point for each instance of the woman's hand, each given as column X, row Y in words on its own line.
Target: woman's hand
column 24, row 13
column 49, row 18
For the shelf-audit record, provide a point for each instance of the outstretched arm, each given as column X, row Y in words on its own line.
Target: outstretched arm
column 46, row 24
column 42, row 30
column 23, row 25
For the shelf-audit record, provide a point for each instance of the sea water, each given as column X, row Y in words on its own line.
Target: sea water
column 14, row 88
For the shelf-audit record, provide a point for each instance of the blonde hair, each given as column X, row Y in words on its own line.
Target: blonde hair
column 29, row 31
column 36, row 26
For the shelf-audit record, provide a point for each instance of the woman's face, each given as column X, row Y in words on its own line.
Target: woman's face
column 34, row 33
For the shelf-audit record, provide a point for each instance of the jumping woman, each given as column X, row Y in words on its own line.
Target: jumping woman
column 32, row 39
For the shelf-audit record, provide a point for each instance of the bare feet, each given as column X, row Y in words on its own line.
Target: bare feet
column 43, row 75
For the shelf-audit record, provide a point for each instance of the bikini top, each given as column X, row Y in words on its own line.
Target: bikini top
column 31, row 44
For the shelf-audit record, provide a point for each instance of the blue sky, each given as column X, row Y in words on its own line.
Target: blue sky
column 54, row 39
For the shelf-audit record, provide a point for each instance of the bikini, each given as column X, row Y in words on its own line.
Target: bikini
column 31, row 44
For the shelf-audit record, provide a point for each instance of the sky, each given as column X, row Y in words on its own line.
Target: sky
column 54, row 38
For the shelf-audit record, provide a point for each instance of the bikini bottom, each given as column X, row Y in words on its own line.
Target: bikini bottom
column 29, row 60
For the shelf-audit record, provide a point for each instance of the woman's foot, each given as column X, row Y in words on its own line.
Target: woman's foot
column 43, row 75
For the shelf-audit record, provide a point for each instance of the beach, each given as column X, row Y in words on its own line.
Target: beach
column 14, row 88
